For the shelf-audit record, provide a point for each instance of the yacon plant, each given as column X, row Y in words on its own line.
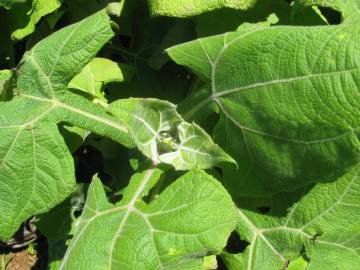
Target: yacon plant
column 263, row 146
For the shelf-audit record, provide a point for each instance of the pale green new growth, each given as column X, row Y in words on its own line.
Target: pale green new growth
column 190, row 219
column 98, row 73
column 324, row 222
column 163, row 136
column 36, row 168
column 187, row 8
column 288, row 100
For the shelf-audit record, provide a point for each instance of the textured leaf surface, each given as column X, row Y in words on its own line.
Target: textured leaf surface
column 187, row 8
column 98, row 73
column 162, row 135
column 39, row 8
column 289, row 95
column 36, row 168
column 191, row 218
column 325, row 222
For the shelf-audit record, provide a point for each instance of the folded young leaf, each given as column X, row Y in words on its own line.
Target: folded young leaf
column 188, row 8
column 288, row 100
column 191, row 218
column 323, row 226
column 36, row 168
column 163, row 136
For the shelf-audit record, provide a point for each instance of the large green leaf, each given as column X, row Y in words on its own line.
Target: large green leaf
column 163, row 136
column 190, row 219
column 289, row 95
column 187, row 8
column 36, row 168
column 323, row 226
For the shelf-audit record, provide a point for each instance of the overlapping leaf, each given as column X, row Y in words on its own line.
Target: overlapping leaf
column 190, row 219
column 288, row 100
column 323, row 227
column 349, row 9
column 98, row 73
column 187, row 8
column 163, row 136
column 36, row 168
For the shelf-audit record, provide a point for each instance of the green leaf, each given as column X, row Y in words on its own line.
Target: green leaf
column 288, row 95
column 163, row 136
column 92, row 78
column 183, row 224
column 187, row 8
column 36, row 168
column 349, row 9
column 323, row 224
column 4, row 76
column 39, row 9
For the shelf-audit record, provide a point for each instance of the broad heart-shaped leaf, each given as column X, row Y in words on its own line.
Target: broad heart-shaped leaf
column 163, row 136
column 193, row 217
column 288, row 100
column 188, row 8
column 349, row 9
column 36, row 168
column 324, row 225
column 98, row 73
column 38, row 9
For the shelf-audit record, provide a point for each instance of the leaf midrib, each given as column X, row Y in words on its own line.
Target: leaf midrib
column 55, row 103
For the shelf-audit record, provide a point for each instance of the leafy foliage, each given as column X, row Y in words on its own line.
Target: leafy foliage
column 161, row 134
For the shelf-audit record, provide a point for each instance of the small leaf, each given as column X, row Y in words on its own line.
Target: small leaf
column 191, row 218
column 39, row 9
column 162, row 135
column 98, row 73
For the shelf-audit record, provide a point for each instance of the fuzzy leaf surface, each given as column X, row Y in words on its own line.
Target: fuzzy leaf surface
column 163, row 136
column 36, row 168
column 189, row 219
column 289, row 95
column 324, row 222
